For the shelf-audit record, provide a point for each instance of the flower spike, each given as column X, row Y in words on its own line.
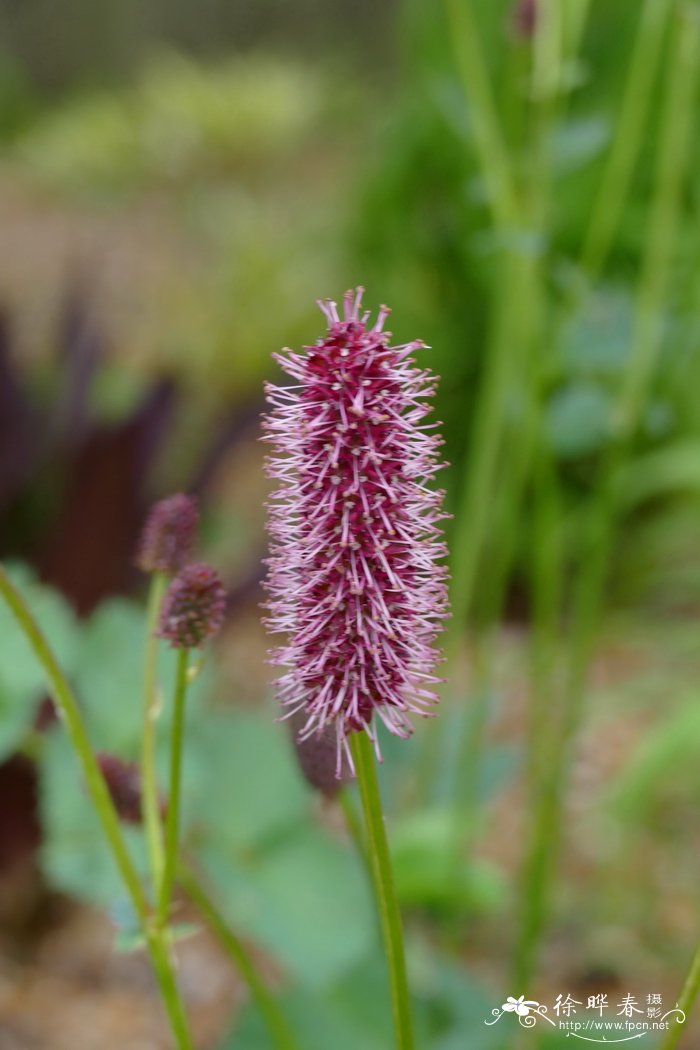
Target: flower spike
column 355, row 575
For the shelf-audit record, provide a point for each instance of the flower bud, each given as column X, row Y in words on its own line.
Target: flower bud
column 524, row 18
column 168, row 537
column 317, row 758
column 123, row 781
column 193, row 607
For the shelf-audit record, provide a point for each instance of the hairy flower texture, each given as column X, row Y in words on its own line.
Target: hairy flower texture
column 168, row 537
column 193, row 607
column 354, row 575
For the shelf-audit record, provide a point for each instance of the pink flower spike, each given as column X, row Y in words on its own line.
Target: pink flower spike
column 355, row 576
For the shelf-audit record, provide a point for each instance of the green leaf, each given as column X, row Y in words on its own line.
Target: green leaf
column 428, row 873
column 108, row 676
column 598, row 339
column 662, row 472
column 305, row 899
column 74, row 852
column 578, row 420
column 578, row 142
column 22, row 680
column 248, row 785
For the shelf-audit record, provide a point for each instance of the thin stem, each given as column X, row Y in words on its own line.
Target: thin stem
column 602, row 517
column 488, row 135
column 69, row 712
column 274, row 1019
column 161, row 961
column 385, row 892
column 172, row 820
column 353, row 824
column 686, row 1001
column 627, row 140
column 150, row 801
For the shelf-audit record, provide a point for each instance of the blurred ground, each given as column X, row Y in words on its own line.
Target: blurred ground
column 69, row 990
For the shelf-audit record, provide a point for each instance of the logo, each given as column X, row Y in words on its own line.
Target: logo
column 595, row 1022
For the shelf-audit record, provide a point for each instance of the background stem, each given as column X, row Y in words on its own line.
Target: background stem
column 277, row 1025
column 150, row 800
column 69, row 713
column 172, row 820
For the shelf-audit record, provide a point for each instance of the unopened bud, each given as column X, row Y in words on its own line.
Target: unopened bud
column 123, row 781
column 193, row 607
column 168, row 537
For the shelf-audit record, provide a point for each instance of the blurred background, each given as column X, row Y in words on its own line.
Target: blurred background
column 517, row 179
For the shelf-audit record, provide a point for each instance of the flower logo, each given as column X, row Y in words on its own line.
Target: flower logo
column 520, row 1006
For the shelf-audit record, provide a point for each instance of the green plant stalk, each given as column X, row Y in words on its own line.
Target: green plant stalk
column 629, row 132
column 353, row 824
column 672, row 169
column 149, row 780
column 277, row 1025
column 686, row 1001
column 69, row 713
column 385, row 892
column 488, row 135
column 172, row 819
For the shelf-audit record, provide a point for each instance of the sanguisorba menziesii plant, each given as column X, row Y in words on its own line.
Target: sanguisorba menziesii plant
column 355, row 577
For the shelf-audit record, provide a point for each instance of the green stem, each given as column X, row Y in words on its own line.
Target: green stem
column 602, row 517
column 385, row 892
column 69, row 713
column 277, row 1025
column 150, row 800
column 628, row 137
column 686, row 1001
column 353, row 824
column 488, row 135
column 172, row 820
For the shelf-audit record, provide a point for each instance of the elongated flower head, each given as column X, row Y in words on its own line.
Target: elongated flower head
column 355, row 579
column 193, row 607
column 168, row 537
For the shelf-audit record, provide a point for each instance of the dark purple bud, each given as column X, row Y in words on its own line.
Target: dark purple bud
column 524, row 18
column 317, row 758
column 168, row 537
column 193, row 607
column 123, row 781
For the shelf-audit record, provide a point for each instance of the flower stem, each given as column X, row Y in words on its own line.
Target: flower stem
column 150, row 803
column 277, row 1025
column 69, row 713
column 380, row 864
column 685, row 1002
column 172, row 820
